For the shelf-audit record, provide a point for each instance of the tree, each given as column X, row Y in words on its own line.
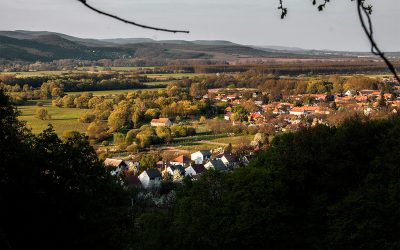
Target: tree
column 164, row 133
column 97, row 130
column 68, row 101
column 136, row 118
column 197, row 90
column 131, row 136
column 260, row 139
column 148, row 161
column 202, row 119
column 72, row 199
column 42, row 114
column 87, row 117
column 177, row 176
column 69, row 134
column 57, row 92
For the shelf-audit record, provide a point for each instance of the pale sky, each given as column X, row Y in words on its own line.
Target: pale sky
column 252, row 22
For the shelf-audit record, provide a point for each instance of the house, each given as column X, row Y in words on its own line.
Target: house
column 388, row 96
column 116, row 165
column 247, row 159
column 171, row 169
column 150, row 178
column 181, row 160
column 200, row 156
column 366, row 92
column 132, row 181
column 323, row 111
column 216, row 165
column 258, row 103
column 256, row 116
column 229, row 160
column 161, row 122
column 231, row 97
column 195, row 169
column 350, row 92
column 305, row 110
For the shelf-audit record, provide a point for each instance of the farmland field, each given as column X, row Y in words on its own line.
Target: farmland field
column 112, row 92
column 40, row 73
column 173, row 75
column 61, row 118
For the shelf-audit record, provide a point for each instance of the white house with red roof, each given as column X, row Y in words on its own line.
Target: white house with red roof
column 161, row 122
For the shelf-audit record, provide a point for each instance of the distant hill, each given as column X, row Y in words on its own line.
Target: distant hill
column 46, row 46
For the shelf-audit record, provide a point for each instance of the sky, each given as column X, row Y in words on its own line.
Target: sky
column 249, row 22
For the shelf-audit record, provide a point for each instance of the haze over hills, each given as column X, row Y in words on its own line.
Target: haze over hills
column 46, row 46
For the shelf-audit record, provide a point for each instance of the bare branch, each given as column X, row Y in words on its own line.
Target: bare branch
column 130, row 22
column 365, row 11
column 283, row 9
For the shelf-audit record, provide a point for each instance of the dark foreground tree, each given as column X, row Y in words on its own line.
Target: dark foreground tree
column 320, row 188
column 55, row 194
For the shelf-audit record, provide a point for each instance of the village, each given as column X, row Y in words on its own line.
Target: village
column 289, row 114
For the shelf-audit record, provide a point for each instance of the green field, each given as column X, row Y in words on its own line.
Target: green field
column 235, row 139
column 112, row 92
column 157, row 83
column 89, row 68
column 173, row 75
column 40, row 73
column 61, row 118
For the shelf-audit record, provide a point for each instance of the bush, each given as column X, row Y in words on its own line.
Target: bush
column 42, row 114
column 87, row 117
column 133, row 148
column 131, row 136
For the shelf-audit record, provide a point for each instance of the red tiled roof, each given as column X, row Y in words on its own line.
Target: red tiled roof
column 182, row 159
column 160, row 120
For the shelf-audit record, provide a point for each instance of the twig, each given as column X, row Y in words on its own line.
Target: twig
column 130, row 22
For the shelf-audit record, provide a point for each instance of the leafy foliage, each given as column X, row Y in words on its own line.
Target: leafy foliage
column 327, row 187
column 55, row 194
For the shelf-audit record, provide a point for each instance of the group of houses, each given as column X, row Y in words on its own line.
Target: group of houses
column 288, row 113
column 192, row 166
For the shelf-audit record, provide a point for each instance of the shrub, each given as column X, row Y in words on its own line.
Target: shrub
column 42, row 114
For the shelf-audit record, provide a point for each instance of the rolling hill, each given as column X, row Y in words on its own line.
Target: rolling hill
column 33, row 46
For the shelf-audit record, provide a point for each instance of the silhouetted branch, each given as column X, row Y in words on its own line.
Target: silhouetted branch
column 283, row 9
column 363, row 11
column 130, row 22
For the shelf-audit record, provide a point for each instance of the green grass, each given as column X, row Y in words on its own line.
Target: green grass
column 177, row 75
column 194, row 138
column 89, row 68
column 40, row 73
column 61, row 118
column 157, row 83
column 235, row 139
column 193, row 147
column 112, row 92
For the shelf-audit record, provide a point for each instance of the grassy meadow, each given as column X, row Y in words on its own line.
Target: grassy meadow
column 112, row 92
column 61, row 118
